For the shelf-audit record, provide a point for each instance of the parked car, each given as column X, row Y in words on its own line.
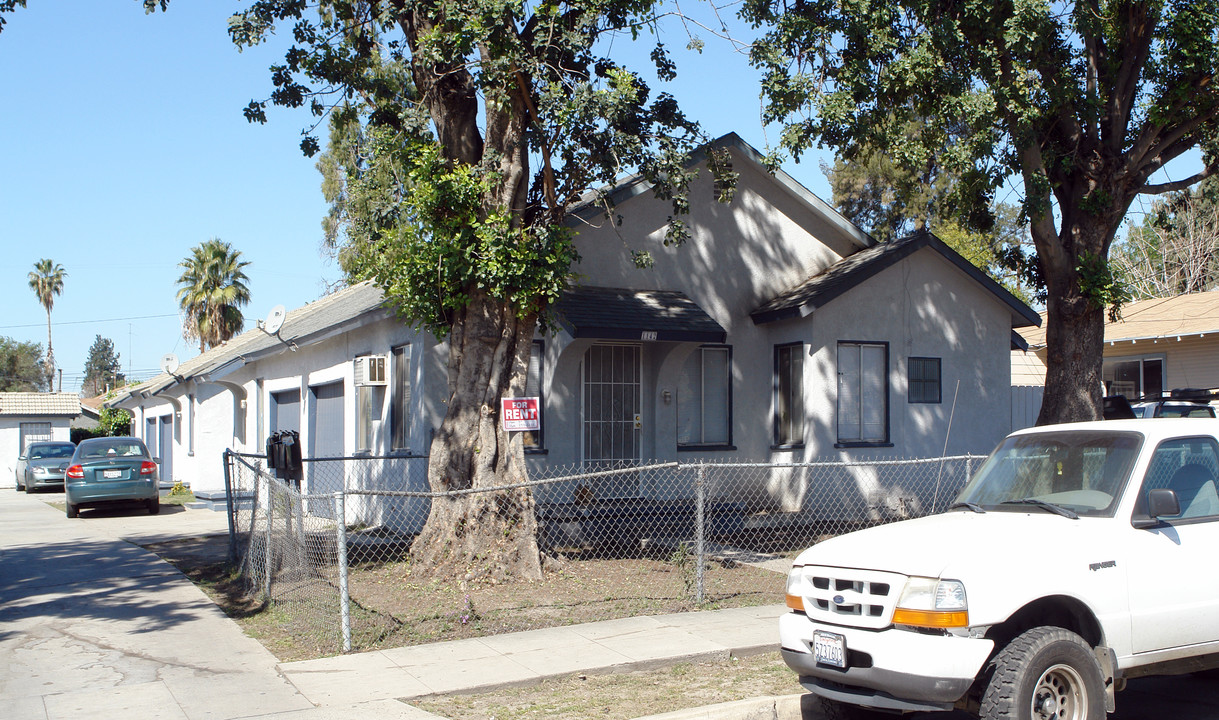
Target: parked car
column 1078, row 557
column 43, row 465
column 109, row 470
column 1172, row 408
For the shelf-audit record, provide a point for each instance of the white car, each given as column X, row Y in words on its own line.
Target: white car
column 1077, row 557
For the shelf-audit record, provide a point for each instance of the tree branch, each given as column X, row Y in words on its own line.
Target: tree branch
column 1174, row 186
column 1134, row 51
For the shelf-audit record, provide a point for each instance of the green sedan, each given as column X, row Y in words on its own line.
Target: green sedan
column 110, row 470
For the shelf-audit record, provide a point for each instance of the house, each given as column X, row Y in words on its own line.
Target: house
column 27, row 417
column 1157, row 346
column 779, row 332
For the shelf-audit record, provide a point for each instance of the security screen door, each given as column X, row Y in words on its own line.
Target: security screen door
column 611, row 412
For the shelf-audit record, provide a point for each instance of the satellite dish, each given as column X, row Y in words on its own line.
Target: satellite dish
column 169, row 363
column 275, row 319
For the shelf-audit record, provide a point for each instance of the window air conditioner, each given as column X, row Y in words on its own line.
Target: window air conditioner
column 370, row 370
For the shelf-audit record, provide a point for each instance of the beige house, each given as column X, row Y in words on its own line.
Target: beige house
column 1158, row 346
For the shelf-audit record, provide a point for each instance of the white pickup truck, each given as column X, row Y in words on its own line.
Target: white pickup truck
column 1077, row 557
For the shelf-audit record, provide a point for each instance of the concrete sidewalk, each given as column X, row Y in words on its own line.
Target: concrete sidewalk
column 91, row 624
column 482, row 664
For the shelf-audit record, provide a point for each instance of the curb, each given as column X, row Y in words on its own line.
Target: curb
column 787, row 707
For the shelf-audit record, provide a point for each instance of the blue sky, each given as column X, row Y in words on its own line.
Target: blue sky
column 123, row 145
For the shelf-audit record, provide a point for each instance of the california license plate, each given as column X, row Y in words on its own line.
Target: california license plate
column 112, row 474
column 829, row 649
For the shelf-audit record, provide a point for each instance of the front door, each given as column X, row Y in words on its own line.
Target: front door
column 611, row 410
column 167, row 449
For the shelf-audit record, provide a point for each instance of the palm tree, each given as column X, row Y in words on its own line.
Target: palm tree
column 212, row 289
column 46, row 280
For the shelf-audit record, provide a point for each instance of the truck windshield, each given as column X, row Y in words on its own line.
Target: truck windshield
column 1082, row 471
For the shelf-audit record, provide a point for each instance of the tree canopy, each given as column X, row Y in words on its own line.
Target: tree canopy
column 1076, row 105
column 102, row 368
column 211, row 292
column 1175, row 250
column 21, row 367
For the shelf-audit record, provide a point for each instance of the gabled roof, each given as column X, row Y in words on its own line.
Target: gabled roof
column 331, row 315
column 824, row 287
column 620, row 314
column 1195, row 314
column 588, row 209
column 36, row 403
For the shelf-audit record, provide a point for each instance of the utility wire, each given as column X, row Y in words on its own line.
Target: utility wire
column 87, row 322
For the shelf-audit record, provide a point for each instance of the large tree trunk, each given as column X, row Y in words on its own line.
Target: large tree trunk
column 1075, row 335
column 1075, row 322
column 482, row 535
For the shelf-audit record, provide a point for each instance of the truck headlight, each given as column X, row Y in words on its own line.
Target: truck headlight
column 794, row 600
column 932, row 603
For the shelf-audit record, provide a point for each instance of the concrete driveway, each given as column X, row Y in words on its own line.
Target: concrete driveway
column 93, row 626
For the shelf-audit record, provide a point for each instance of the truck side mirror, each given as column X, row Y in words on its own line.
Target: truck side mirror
column 1161, row 502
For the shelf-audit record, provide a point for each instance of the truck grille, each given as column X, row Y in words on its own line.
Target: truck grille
column 844, row 596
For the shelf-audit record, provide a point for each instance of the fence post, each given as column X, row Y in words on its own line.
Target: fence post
column 700, row 530
column 340, row 531
column 270, row 554
column 232, row 508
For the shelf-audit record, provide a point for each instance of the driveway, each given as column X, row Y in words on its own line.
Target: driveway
column 94, row 626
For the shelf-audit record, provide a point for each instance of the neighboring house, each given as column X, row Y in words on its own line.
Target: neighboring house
column 90, row 412
column 1159, row 345
column 779, row 332
column 27, row 417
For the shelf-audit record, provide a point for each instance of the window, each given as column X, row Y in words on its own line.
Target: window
column 704, row 398
column 923, row 385
column 533, row 388
column 369, row 400
column 1134, row 377
column 863, row 393
column 1189, row 467
column 400, row 411
column 789, row 394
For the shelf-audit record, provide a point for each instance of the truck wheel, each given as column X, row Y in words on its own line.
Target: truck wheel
column 835, row 710
column 1046, row 672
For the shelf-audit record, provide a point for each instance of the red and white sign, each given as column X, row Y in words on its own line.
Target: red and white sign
column 520, row 414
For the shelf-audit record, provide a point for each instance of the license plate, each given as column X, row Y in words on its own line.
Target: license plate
column 112, row 474
column 830, row 649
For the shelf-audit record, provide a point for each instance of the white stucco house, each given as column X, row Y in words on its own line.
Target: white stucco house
column 27, row 417
column 780, row 332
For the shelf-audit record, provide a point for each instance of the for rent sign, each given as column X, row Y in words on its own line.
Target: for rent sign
column 520, row 414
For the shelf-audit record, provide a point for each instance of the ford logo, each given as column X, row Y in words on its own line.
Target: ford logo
column 838, row 599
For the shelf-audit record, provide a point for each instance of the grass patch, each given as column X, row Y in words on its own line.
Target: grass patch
column 625, row 695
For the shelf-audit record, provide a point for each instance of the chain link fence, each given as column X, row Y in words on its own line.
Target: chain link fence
column 329, row 547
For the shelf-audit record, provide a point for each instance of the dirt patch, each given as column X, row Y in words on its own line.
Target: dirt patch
column 392, row 606
column 627, row 695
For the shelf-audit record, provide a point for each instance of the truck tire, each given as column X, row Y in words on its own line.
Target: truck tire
column 1046, row 672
